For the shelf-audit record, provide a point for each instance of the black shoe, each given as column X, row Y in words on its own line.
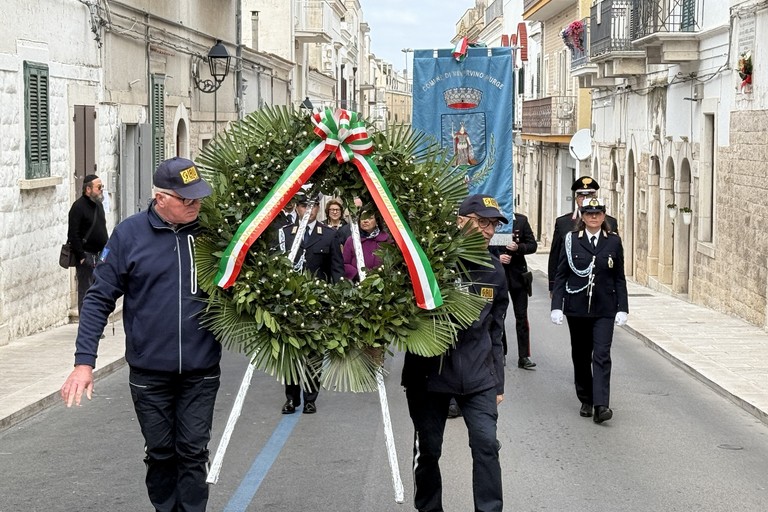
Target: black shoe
column 310, row 408
column 525, row 363
column 454, row 411
column 288, row 407
column 602, row 413
column 585, row 411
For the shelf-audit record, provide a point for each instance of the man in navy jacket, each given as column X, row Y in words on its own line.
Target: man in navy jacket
column 472, row 372
column 173, row 360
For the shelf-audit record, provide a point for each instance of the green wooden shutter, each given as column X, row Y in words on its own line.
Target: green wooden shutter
column 688, row 18
column 37, row 111
column 158, row 120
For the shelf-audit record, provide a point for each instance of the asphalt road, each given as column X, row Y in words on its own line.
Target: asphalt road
column 673, row 445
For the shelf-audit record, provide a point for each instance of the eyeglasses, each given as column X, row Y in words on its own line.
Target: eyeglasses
column 483, row 223
column 335, row 210
column 99, row 187
column 184, row 201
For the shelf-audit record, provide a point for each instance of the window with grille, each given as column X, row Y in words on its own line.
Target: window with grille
column 37, row 123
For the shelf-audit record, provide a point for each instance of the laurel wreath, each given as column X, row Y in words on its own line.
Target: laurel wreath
column 297, row 327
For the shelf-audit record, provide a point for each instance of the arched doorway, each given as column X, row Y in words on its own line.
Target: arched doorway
column 666, row 223
column 627, row 231
column 182, row 139
column 682, row 246
column 181, row 132
column 653, row 211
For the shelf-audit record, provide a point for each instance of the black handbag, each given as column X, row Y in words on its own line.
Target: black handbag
column 528, row 282
column 67, row 256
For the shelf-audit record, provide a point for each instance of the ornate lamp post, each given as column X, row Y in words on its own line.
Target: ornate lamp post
column 218, row 62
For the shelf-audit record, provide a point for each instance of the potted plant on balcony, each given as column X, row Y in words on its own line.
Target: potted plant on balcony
column 672, row 210
column 573, row 35
column 687, row 213
column 745, row 69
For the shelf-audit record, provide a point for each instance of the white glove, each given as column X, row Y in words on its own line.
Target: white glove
column 556, row 316
column 621, row 318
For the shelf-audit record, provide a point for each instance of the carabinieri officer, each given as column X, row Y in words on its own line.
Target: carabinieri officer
column 591, row 291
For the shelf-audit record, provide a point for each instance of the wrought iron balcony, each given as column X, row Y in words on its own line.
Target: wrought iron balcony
column 653, row 16
column 313, row 21
column 610, row 27
column 667, row 29
column 553, row 115
column 611, row 46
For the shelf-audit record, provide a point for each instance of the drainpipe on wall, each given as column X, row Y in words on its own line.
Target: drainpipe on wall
column 239, row 60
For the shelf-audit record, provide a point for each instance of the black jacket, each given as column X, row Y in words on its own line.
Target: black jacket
column 476, row 363
column 609, row 293
column 83, row 214
column 152, row 266
column 322, row 255
column 564, row 224
column 526, row 244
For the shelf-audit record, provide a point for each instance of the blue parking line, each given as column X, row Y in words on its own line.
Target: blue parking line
column 264, row 460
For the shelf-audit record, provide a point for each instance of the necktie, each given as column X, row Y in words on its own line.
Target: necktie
column 594, row 241
column 306, row 235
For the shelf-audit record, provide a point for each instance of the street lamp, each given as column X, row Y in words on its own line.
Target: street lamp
column 307, row 105
column 218, row 65
column 406, row 51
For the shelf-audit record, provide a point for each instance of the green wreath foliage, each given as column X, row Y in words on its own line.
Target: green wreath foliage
column 297, row 327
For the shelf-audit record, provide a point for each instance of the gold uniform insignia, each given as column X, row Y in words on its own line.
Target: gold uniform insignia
column 490, row 202
column 486, row 293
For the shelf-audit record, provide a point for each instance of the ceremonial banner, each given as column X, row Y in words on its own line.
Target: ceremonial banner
column 468, row 107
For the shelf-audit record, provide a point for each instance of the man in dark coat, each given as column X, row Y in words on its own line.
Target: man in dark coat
column 87, row 233
column 472, row 372
column 512, row 258
column 318, row 253
column 585, row 187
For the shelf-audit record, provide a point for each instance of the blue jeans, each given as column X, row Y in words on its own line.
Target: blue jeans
column 429, row 412
column 175, row 412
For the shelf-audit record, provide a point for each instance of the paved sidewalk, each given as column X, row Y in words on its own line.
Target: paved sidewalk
column 729, row 355
column 32, row 369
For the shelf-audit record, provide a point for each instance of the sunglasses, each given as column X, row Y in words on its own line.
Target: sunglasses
column 483, row 223
column 185, row 202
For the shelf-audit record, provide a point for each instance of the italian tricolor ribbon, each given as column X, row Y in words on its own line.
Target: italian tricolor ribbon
column 343, row 135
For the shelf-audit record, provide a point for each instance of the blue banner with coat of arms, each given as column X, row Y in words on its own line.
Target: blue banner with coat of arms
column 468, row 107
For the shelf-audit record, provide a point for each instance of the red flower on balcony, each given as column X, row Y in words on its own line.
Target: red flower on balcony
column 573, row 35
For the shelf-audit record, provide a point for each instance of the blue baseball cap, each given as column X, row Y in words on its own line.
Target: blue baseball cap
column 181, row 176
column 482, row 205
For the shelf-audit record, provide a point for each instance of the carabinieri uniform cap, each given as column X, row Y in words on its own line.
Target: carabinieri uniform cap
column 585, row 185
column 181, row 176
column 482, row 205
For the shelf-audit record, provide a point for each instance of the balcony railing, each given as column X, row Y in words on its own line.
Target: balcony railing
column 610, row 26
column 654, row 16
column 580, row 57
column 313, row 19
column 553, row 115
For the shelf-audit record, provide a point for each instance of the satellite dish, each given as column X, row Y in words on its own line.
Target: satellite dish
column 580, row 146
